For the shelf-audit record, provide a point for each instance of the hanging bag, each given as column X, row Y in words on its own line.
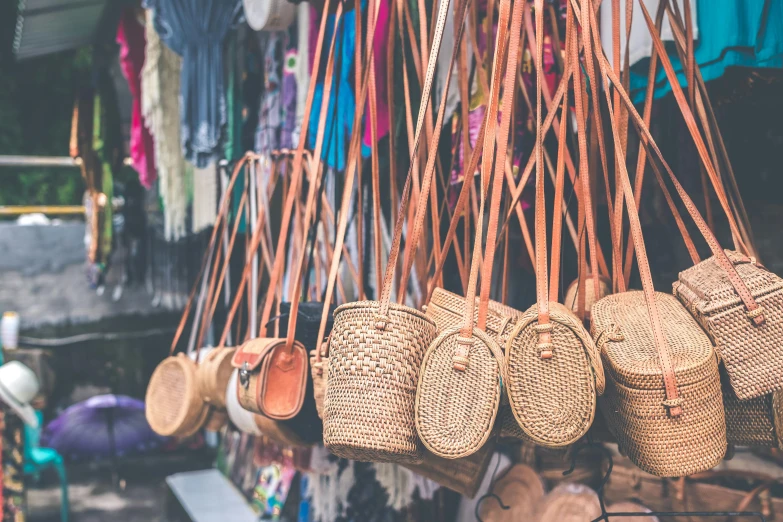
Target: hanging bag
column 459, row 387
column 554, row 373
column 376, row 349
column 662, row 400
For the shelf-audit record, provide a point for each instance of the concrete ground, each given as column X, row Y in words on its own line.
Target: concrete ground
column 136, row 494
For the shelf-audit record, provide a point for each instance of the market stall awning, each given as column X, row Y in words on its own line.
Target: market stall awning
column 49, row 26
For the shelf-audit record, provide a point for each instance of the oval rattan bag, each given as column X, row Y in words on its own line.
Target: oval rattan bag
column 571, row 299
column 174, row 407
column 553, row 399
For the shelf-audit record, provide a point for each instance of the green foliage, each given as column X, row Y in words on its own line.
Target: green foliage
column 36, row 102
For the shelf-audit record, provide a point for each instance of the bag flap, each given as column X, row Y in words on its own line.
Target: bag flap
column 254, row 351
column 283, row 381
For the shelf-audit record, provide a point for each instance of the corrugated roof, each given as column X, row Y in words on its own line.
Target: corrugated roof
column 49, row 26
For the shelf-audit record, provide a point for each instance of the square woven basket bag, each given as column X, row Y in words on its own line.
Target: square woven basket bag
column 633, row 404
column 752, row 353
column 756, row 422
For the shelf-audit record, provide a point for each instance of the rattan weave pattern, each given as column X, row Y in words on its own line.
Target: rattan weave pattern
column 665, row 446
column 173, row 404
column 371, row 385
column 456, row 410
column 754, row 422
column 554, row 399
column 752, row 354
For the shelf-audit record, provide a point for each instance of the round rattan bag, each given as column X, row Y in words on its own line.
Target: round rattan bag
column 571, row 299
column 174, row 407
column 520, row 490
column 456, row 408
column 213, row 374
column 569, row 503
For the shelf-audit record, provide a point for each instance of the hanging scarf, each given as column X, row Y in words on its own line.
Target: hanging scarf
column 160, row 110
column 195, row 29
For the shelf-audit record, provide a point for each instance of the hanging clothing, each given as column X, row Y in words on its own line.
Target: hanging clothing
column 160, row 110
column 130, row 37
column 270, row 116
column 640, row 45
column 302, row 72
column 205, row 197
column 339, row 123
column 13, row 489
column 745, row 33
column 379, row 50
column 195, row 29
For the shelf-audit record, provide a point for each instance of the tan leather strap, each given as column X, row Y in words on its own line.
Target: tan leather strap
column 313, row 190
column 720, row 256
column 673, row 402
column 221, row 216
column 507, row 110
column 397, row 238
column 465, row 339
column 296, row 174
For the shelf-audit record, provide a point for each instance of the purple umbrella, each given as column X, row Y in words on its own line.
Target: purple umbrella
column 105, row 426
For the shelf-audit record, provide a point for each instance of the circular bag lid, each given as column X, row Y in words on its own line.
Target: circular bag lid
column 269, row 15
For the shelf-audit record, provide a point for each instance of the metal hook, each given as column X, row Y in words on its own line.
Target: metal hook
column 485, row 497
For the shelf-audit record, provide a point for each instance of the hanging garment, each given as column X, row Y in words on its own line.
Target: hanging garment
column 288, row 91
column 302, row 64
column 160, row 111
column 195, row 29
column 379, row 50
column 13, row 488
column 745, row 33
column 130, row 37
column 339, row 123
column 640, row 45
column 205, row 197
column 270, row 115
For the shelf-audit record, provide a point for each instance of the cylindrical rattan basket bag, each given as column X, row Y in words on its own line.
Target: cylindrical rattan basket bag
column 376, row 347
column 633, row 404
column 174, row 407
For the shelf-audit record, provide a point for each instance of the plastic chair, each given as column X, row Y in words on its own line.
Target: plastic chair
column 38, row 459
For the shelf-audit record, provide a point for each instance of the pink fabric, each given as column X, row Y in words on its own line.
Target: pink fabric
column 380, row 41
column 130, row 37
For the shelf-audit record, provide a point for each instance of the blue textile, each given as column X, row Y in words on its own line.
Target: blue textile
column 747, row 33
column 339, row 123
column 195, row 30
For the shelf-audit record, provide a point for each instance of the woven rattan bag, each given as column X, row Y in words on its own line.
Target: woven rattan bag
column 754, row 422
column 663, row 399
column 554, row 372
column 752, row 353
column 459, row 387
column 633, row 403
column 213, row 374
column 376, row 347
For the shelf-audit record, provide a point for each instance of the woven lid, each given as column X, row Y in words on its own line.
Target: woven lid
column 569, row 503
column 630, row 507
column 623, row 333
column 520, row 489
column 712, row 288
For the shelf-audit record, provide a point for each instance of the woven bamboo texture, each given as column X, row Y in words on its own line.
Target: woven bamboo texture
column 456, row 410
column 754, row 422
column 665, row 446
column 369, row 410
column 553, row 400
column 447, row 310
column 213, row 374
column 752, row 354
column 173, row 404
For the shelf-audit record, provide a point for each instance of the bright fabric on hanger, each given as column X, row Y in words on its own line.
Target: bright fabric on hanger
column 745, row 33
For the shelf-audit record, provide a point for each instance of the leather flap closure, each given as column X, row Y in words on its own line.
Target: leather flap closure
column 283, row 381
column 254, row 351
